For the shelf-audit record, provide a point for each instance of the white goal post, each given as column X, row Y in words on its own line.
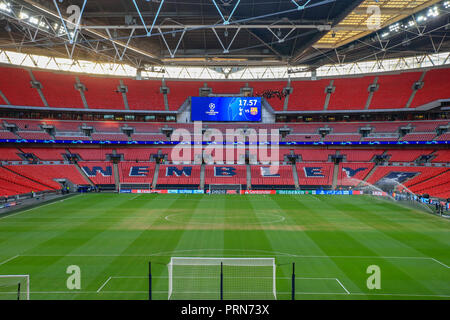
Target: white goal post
column 14, row 287
column 193, row 278
column 225, row 188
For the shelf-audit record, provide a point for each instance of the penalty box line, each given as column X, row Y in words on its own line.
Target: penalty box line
column 290, row 255
column 166, row 277
column 441, row 263
column 104, row 284
column 348, row 292
column 120, row 277
column 8, row 260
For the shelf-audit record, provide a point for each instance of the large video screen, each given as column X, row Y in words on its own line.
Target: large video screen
column 226, row 109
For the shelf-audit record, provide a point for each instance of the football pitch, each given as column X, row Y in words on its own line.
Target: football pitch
column 331, row 239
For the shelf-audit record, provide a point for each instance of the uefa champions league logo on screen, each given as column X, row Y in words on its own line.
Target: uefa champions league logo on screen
column 211, row 111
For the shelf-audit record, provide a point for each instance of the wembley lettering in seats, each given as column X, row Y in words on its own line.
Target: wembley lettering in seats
column 92, row 172
column 352, row 172
column 395, row 177
column 171, row 171
column 140, row 171
column 267, row 172
column 229, row 171
column 313, row 172
column 224, row 171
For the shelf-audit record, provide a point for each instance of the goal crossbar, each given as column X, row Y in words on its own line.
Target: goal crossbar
column 234, row 278
column 225, row 261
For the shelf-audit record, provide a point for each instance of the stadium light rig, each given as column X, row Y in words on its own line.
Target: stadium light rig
column 433, row 12
column 34, row 20
column 426, row 14
column 395, row 27
column 23, row 15
column 421, row 18
column 411, row 23
column 5, row 7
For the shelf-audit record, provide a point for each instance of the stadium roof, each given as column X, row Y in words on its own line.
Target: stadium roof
column 238, row 33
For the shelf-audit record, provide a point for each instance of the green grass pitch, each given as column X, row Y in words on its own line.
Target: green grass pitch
column 331, row 239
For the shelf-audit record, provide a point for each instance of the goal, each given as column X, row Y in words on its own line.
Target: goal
column 225, row 188
column 222, row 278
column 14, row 287
column 140, row 187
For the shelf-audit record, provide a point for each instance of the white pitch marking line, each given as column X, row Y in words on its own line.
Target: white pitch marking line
column 284, row 293
column 271, row 252
column 103, row 285
column 170, row 252
column 166, row 277
column 441, row 263
column 348, row 292
column 8, row 260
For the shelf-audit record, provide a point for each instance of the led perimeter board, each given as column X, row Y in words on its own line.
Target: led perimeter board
column 226, row 109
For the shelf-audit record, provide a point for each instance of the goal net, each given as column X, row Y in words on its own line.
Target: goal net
column 225, row 188
column 140, row 187
column 222, row 278
column 14, row 287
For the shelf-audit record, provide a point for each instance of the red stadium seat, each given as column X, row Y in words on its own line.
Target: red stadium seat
column 102, row 93
column 46, row 154
column 308, row 95
column 144, row 94
column 46, row 174
column 131, row 172
column 225, row 174
column 350, row 93
column 180, row 91
column 15, row 84
column 315, row 154
column 358, row 155
column 315, row 174
column 262, row 175
column 91, row 154
column 352, row 174
column 59, row 89
column 436, row 86
column 99, row 172
column 386, row 97
column 406, row 156
column 10, row 154
column 179, row 175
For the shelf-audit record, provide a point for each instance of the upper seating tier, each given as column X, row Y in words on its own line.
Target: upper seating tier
column 15, row 84
column 350, row 93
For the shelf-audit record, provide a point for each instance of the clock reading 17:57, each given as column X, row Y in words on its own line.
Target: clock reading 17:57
column 247, row 102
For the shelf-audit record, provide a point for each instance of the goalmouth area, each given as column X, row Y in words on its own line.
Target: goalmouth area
column 334, row 241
